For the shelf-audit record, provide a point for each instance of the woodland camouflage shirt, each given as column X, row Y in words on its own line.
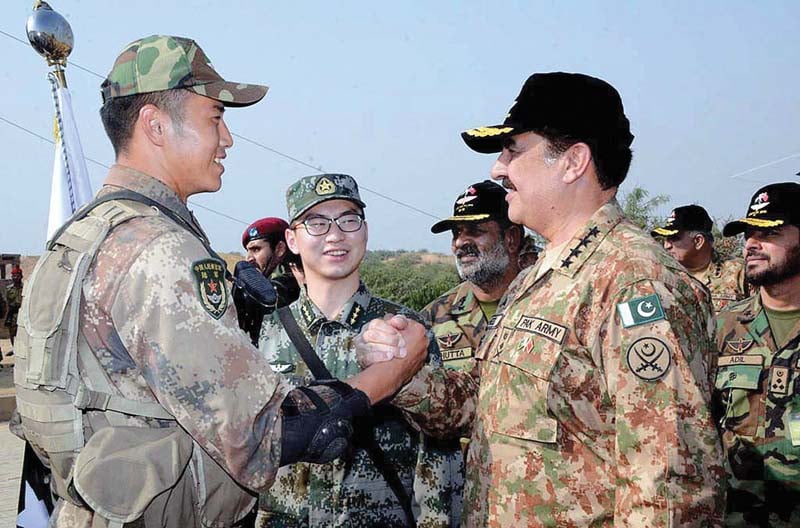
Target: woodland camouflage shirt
column 757, row 405
column 348, row 491
column 592, row 407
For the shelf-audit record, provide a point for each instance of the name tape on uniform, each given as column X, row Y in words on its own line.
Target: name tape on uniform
column 547, row 329
column 457, row 353
column 725, row 361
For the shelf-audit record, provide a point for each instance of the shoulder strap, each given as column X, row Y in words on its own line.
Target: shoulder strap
column 364, row 436
column 127, row 194
column 304, row 348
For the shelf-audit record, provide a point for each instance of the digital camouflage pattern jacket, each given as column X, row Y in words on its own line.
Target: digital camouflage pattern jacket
column 351, row 491
column 592, row 406
column 726, row 282
column 757, row 405
column 157, row 314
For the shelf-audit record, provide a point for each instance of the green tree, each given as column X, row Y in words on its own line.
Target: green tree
column 406, row 278
column 640, row 207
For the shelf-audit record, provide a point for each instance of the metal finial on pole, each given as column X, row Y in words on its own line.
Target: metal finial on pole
column 51, row 36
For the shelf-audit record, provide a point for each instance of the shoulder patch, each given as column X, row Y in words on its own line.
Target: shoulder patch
column 649, row 358
column 209, row 277
column 640, row 311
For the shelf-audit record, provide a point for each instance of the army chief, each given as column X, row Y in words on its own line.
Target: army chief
column 592, row 406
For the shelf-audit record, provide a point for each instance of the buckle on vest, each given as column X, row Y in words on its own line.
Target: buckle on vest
column 86, row 398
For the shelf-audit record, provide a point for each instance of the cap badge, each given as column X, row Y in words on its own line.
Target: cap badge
column 466, row 199
column 325, row 187
column 761, row 201
column 252, row 232
column 671, row 219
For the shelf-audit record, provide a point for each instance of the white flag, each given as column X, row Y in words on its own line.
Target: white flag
column 71, row 187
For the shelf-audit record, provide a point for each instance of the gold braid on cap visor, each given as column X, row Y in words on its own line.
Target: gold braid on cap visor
column 488, row 131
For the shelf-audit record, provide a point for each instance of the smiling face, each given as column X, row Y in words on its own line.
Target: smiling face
column 772, row 255
column 335, row 255
column 196, row 145
column 533, row 179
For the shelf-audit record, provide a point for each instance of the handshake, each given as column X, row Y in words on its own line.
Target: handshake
column 390, row 350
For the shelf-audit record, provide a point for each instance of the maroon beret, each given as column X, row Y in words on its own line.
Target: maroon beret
column 263, row 228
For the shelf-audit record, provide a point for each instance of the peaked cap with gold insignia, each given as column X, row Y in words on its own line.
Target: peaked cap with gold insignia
column 685, row 218
column 771, row 206
column 480, row 202
column 576, row 105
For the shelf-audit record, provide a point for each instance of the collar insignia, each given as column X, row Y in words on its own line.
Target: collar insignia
column 584, row 242
column 354, row 313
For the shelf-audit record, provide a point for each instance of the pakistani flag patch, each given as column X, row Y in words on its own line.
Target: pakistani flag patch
column 209, row 276
column 640, row 311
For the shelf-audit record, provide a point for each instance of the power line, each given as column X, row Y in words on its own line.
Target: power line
column 101, row 164
column 765, row 165
column 255, row 143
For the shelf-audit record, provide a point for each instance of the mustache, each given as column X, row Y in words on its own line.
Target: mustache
column 468, row 250
column 754, row 253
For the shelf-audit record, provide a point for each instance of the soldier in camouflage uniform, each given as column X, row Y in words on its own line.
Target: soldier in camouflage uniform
column 757, row 375
column 486, row 245
column 591, row 406
column 330, row 235
column 687, row 236
column 155, row 330
column 13, row 301
column 265, row 243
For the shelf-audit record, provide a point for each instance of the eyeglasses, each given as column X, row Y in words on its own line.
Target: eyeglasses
column 320, row 225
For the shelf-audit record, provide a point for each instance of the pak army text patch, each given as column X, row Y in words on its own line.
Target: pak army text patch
column 640, row 311
column 209, row 277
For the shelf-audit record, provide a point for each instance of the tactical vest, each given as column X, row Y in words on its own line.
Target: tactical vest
column 119, row 468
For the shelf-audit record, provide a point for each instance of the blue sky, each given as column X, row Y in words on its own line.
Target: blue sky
column 381, row 90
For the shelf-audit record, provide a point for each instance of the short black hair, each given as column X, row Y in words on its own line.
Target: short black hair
column 611, row 161
column 120, row 113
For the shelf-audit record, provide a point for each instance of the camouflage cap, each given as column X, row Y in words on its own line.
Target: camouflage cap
column 159, row 62
column 307, row 192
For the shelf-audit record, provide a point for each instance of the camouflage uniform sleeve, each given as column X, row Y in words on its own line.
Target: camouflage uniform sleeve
column 200, row 366
column 441, row 402
column 668, row 455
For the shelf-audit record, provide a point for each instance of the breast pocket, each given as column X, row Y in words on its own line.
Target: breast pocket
column 738, row 380
column 524, row 362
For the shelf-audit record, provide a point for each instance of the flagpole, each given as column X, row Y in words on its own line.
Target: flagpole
column 51, row 36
